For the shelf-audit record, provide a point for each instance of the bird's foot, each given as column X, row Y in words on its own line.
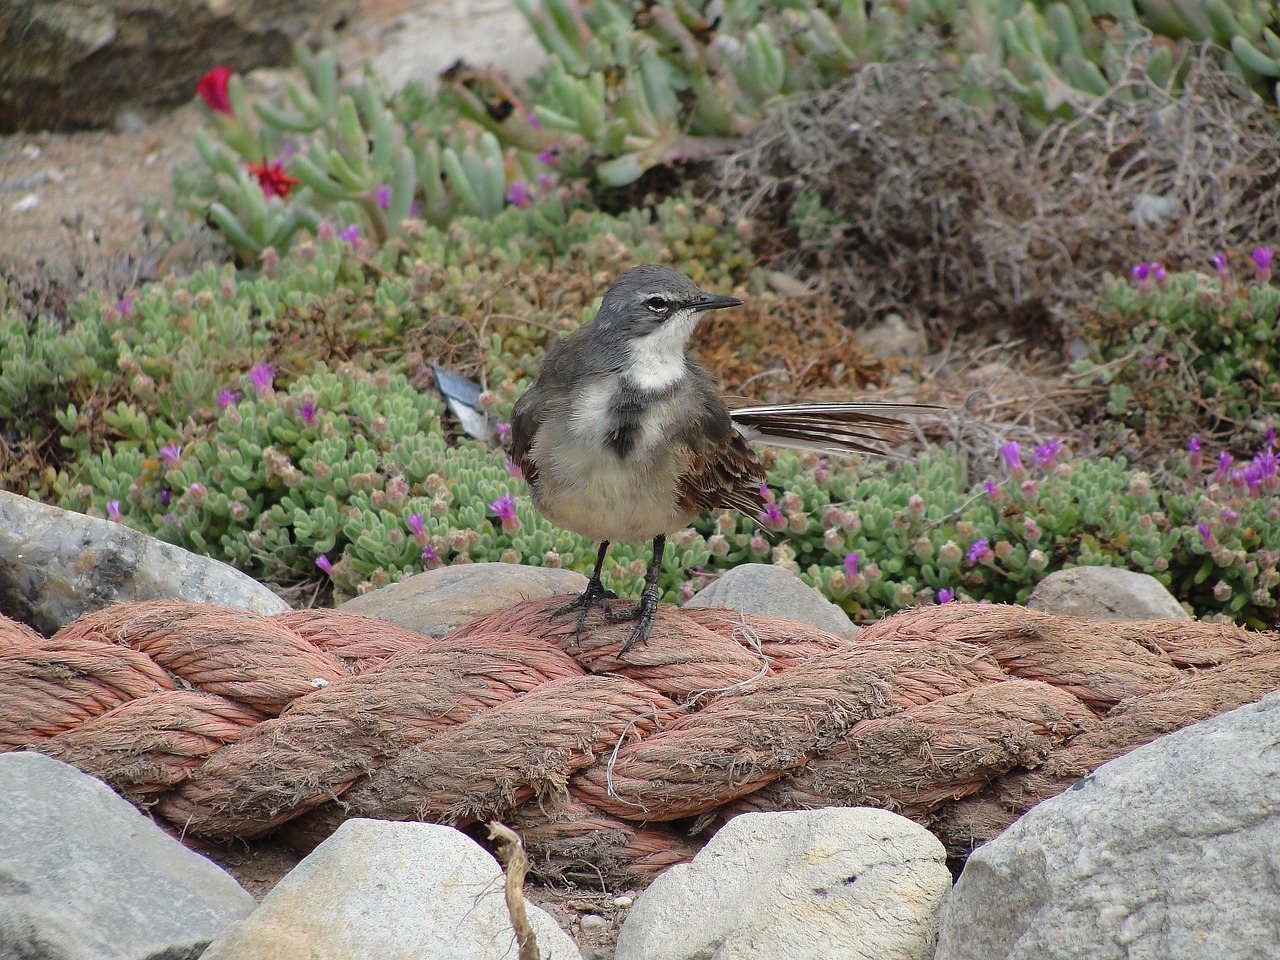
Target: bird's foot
column 644, row 613
column 594, row 596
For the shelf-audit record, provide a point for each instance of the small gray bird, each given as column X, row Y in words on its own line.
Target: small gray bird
column 625, row 437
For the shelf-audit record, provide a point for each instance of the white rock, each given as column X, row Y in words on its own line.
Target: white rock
column 84, row 875
column 59, row 564
column 1171, row 852
column 380, row 890
column 841, row 882
column 771, row 591
column 1105, row 593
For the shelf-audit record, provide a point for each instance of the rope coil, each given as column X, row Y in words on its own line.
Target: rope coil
column 231, row 725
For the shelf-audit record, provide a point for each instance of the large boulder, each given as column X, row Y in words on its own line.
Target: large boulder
column 71, row 64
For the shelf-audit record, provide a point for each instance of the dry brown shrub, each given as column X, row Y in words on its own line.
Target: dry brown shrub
column 953, row 215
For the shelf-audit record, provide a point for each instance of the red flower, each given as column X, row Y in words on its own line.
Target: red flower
column 212, row 88
column 275, row 182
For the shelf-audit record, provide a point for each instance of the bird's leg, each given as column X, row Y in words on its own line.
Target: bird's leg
column 594, row 596
column 646, row 611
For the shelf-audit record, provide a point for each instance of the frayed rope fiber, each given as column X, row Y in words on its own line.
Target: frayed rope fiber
column 230, row 725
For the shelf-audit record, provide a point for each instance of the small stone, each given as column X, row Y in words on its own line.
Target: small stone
column 377, row 890
column 1105, row 593
column 860, row 884
column 623, row 901
column 892, row 337
column 83, row 874
column 435, row 602
column 770, row 591
column 29, row 202
column 592, row 921
column 56, row 565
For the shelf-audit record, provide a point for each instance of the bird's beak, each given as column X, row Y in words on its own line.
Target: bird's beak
column 709, row 301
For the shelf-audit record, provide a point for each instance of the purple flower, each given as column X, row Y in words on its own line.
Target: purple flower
column 308, row 414
column 1011, row 454
column 164, row 498
column 429, row 554
column 384, row 196
column 1262, row 260
column 1219, row 261
column 171, row 453
column 1229, row 517
column 1158, row 272
column 1224, row 464
column 977, row 550
column 415, row 210
column 772, row 517
column 504, row 508
column 851, row 565
column 415, row 524
column 1269, row 437
column 534, row 121
column 1206, row 536
column 1046, row 454
column 1142, row 273
column 262, row 375
column 549, row 157
column 991, row 490
column 351, row 234
column 503, row 430
column 228, row 398
column 113, row 511
column 1265, row 463
column 1193, row 451
column 323, row 563
column 513, row 469
column 125, row 304
column 946, row 595
column 518, row 194
column 197, row 491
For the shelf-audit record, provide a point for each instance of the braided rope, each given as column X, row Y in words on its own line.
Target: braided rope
column 233, row 725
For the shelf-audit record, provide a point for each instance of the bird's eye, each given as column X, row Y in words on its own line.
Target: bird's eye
column 656, row 304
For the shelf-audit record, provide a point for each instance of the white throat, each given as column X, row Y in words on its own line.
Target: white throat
column 657, row 359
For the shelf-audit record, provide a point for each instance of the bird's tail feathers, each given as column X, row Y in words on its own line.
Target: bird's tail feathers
column 830, row 428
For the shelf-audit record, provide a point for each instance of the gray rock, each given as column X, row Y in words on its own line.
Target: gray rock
column 439, row 600
column 1169, row 852
column 1105, row 593
column 388, row 891
column 892, row 337
column 771, row 591
column 842, row 882
column 56, row 565
column 438, row 33
column 85, row 876
column 70, row 64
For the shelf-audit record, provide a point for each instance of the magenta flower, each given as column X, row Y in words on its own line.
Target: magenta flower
column 549, row 157
column 262, row 376
column 946, row 595
column 429, row 554
column 171, row 453
column 323, row 563
column 504, row 508
column 415, row 524
column 1011, row 454
column 1219, row 261
column 513, row 469
column 125, row 304
column 772, row 517
column 351, row 234
column 1046, row 454
column 978, row 551
column 228, row 398
column 534, row 121
column 212, row 88
column 113, row 511
column 1206, row 536
column 197, row 491
column 384, row 196
column 518, row 194
column 1193, row 451
column 1269, row 437
column 308, row 414
column 164, row 498
column 503, row 430
column 1224, row 465
column 1262, row 260
column 851, row 565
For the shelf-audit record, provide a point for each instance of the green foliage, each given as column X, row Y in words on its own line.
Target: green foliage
column 1188, row 351
column 350, row 154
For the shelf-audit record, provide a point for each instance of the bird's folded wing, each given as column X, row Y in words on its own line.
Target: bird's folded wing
column 723, row 474
column 836, row 428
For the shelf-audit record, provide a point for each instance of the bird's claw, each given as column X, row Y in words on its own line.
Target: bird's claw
column 644, row 613
column 594, row 596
